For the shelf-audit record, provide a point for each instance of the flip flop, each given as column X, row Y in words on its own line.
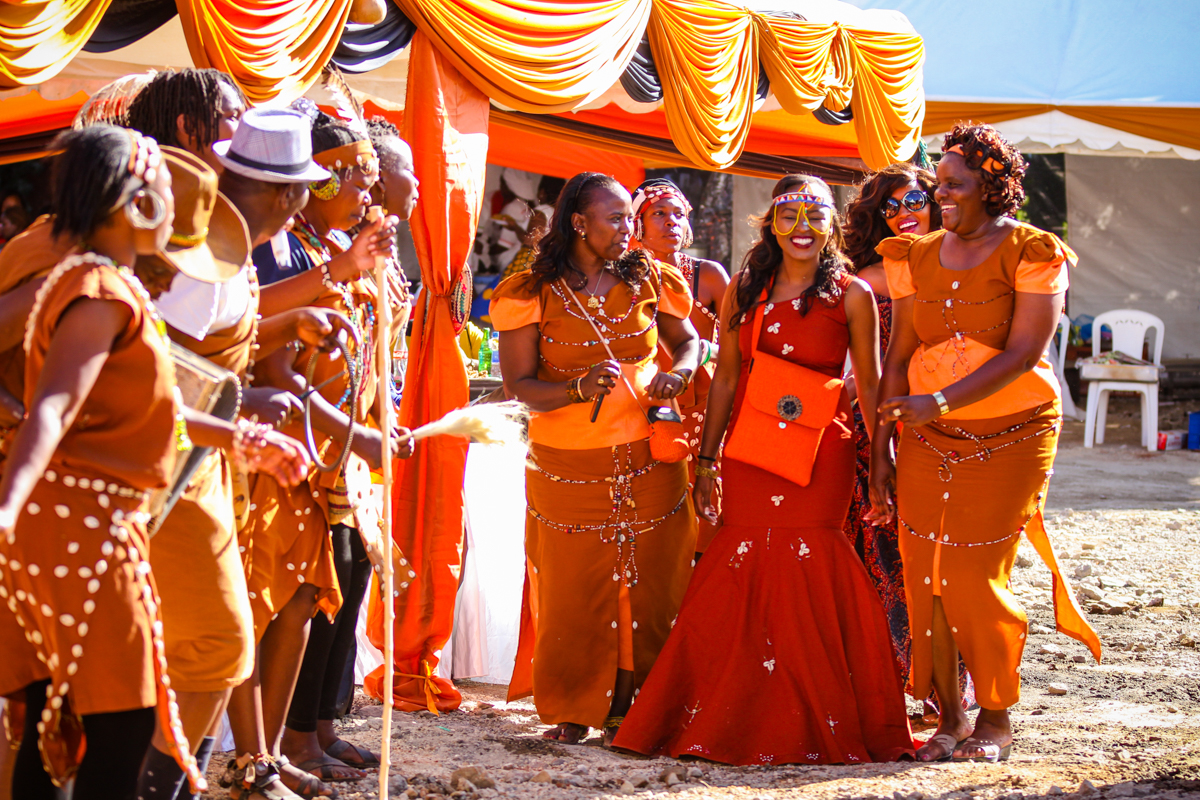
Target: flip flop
column 366, row 759
column 310, row 785
column 992, row 752
column 945, row 740
column 560, row 729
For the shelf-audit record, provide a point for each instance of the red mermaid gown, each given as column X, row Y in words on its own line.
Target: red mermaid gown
column 781, row 651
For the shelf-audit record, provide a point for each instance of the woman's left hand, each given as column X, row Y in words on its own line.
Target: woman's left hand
column 284, row 459
column 917, row 409
column 664, row 386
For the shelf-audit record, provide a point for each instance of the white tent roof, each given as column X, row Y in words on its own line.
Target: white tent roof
column 1061, row 53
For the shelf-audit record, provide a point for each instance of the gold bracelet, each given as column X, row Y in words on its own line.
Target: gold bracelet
column 707, row 472
column 943, row 406
column 574, row 393
column 685, row 378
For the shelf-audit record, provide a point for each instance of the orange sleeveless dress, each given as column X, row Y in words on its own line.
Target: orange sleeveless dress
column 83, row 606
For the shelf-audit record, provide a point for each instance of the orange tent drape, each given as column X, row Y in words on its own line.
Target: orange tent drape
column 534, row 55
column 446, row 123
column 272, row 48
column 707, row 60
column 38, row 37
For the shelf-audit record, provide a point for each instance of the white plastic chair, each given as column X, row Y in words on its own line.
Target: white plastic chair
column 1057, row 354
column 1129, row 330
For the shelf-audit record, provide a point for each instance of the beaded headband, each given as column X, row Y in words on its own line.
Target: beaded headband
column 648, row 195
column 355, row 154
column 801, row 197
column 988, row 163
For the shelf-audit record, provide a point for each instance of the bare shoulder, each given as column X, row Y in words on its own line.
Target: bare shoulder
column 875, row 276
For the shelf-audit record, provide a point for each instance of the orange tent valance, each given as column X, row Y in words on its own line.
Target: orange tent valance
column 271, row 47
column 38, row 38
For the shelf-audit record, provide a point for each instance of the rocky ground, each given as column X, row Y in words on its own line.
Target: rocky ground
column 1126, row 525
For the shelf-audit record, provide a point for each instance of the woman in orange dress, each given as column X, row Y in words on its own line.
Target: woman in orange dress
column 102, row 433
column 896, row 200
column 662, row 228
column 975, row 306
column 781, row 653
column 610, row 532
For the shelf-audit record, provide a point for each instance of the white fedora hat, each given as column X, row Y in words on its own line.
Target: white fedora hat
column 272, row 145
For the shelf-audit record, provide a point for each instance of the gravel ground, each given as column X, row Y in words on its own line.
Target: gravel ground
column 1127, row 528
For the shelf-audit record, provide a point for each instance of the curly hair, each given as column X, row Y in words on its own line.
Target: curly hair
column 90, row 177
column 553, row 258
column 763, row 260
column 194, row 93
column 1003, row 191
column 865, row 226
column 381, row 130
column 330, row 132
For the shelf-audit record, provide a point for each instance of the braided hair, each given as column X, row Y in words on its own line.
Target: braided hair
column 553, row 258
column 380, row 131
column 329, row 132
column 90, row 177
column 194, row 93
column 763, row 260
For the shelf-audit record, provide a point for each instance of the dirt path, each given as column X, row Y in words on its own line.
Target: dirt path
column 1127, row 526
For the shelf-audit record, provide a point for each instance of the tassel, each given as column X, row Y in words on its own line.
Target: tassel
column 487, row 423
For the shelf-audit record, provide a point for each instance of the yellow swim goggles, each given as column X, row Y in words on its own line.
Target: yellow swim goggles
column 816, row 212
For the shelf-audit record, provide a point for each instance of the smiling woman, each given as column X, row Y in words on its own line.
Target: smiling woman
column 975, row 307
column 610, row 532
column 780, row 653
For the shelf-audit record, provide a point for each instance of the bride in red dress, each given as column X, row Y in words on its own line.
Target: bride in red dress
column 781, row 652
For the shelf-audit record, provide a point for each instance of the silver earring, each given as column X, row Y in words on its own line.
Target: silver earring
column 139, row 220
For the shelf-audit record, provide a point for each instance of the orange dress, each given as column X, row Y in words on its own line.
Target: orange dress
column 970, row 483
column 693, row 404
column 84, row 611
column 208, row 626
column 610, row 532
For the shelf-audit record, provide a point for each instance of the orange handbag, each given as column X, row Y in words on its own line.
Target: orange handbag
column 785, row 411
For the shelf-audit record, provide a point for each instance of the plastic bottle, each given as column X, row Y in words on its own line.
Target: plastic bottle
column 494, row 346
column 485, row 354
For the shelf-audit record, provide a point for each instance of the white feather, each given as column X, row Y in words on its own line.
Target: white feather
column 486, row 423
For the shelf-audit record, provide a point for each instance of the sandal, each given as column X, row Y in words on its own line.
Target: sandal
column 560, row 731
column 309, row 786
column 364, row 759
column 254, row 777
column 325, row 766
column 949, row 742
column 991, row 754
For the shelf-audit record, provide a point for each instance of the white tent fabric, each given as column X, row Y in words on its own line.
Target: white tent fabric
column 1062, row 53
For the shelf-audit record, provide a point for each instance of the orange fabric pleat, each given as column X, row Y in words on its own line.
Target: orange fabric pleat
column 447, row 128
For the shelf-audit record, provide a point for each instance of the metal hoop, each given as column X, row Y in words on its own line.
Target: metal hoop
column 139, row 220
column 310, row 390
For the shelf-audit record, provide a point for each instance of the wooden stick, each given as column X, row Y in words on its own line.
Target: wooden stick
column 383, row 350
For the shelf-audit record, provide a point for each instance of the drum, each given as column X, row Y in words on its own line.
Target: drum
column 205, row 387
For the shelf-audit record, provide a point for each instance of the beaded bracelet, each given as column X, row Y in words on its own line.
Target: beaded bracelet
column 707, row 472
column 327, row 278
column 574, row 393
column 249, row 441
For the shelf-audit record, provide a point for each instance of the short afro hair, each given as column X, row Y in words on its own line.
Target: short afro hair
column 1002, row 186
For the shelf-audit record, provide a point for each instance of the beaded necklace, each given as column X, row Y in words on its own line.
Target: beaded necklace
column 357, row 366
column 687, row 265
column 957, row 335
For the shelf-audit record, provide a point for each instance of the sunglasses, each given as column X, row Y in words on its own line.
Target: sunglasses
column 914, row 201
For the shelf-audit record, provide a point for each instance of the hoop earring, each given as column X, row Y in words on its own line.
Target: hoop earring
column 139, row 220
column 688, row 237
column 639, row 228
column 328, row 188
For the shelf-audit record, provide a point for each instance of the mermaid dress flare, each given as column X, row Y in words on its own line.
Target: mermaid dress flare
column 781, row 652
